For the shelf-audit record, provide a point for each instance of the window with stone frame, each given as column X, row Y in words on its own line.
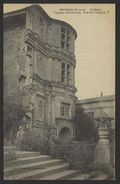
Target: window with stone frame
column 65, row 108
column 63, row 72
column 65, row 38
column 68, row 74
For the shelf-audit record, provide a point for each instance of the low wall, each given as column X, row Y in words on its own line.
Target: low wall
column 79, row 155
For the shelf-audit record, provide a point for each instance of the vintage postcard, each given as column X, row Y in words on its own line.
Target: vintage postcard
column 59, row 91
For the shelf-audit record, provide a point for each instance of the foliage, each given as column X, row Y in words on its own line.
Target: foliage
column 9, row 156
column 79, row 155
column 13, row 113
column 33, row 142
column 24, row 142
column 40, row 143
column 84, row 126
column 59, row 149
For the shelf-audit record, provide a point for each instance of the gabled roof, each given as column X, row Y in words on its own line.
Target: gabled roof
column 100, row 114
column 21, row 11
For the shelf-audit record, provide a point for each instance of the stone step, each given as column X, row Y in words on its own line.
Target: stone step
column 37, row 173
column 8, row 153
column 25, row 167
column 9, row 157
column 98, row 175
column 24, row 154
column 18, row 154
column 81, row 177
column 10, row 166
column 32, row 159
column 64, row 175
column 10, row 148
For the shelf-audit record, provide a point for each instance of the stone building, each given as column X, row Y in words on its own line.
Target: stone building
column 102, row 111
column 39, row 61
column 94, row 106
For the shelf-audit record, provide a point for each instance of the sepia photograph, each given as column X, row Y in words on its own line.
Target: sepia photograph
column 59, row 91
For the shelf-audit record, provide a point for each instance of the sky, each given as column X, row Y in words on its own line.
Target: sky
column 94, row 46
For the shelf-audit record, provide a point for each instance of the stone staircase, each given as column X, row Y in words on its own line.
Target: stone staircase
column 34, row 166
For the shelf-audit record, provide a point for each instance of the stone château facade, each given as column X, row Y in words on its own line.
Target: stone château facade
column 39, row 60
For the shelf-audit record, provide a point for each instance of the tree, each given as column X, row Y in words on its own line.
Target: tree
column 13, row 113
column 84, row 126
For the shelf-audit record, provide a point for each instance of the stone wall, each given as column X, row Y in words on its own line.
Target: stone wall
column 79, row 155
column 14, row 55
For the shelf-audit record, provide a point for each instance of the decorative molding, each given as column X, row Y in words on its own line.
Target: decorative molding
column 40, row 94
column 63, row 120
column 47, row 49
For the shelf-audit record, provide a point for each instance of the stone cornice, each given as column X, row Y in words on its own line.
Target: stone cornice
column 94, row 108
column 48, row 86
column 64, row 86
column 46, row 49
column 62, row 120
column 109, row 98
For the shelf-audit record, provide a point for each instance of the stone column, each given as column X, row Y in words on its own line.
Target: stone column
column 102, row 150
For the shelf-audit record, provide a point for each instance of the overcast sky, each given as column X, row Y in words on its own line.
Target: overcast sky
column 94, row 46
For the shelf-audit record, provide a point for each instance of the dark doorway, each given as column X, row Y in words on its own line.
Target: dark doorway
column 65, row 135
